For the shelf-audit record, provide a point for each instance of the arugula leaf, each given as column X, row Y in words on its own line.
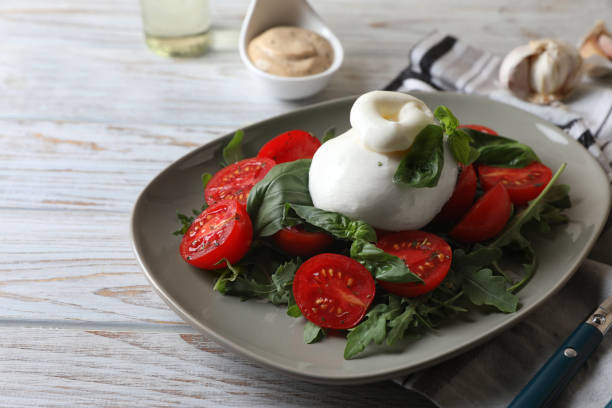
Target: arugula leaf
column 422, row 165
column 328, row 135
column 479, row 283
column 338, row 225
column 482, row 287
column 401, row 324
column 501, row 151
column 512, row 232
column 238, row 280
column 232, row 152
column 229, row 275
column 382, row 265
column 373, row 329
column 313, row 333
column 187, row 220
column 293, row 310
column 205, row 179
column 284, row 183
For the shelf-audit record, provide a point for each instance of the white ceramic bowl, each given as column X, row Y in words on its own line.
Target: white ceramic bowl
column 264, row 14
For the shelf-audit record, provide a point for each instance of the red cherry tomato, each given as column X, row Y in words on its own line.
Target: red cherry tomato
column 236, row 180
column 486, row 218
column 463, row 196
column 522, row 184
column 481, row 128
column 296, row 241
column 290, row 146
column 223, row 230
column 333, row 291
column 427, row 255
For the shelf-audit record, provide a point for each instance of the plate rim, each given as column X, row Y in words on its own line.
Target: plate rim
column 382, row 374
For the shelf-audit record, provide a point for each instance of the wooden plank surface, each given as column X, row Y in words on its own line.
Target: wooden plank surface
column 88, row 115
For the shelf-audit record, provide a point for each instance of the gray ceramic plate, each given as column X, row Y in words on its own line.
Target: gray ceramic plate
column 267, row 335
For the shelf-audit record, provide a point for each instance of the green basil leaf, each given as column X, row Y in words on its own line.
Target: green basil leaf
column 329, row 135
column 338, row 225
column 382, row 265
column 232, row 152
column 313, row 333
column 446, row 118
column 422, row 165
column 459, row 144
column 484, row 288
column 501, row 151
column 284, row 183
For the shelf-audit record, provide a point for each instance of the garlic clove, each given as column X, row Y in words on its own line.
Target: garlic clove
column 542, row 71
column 596, row 49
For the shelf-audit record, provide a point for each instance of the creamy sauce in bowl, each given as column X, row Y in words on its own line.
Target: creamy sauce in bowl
column 290, row 52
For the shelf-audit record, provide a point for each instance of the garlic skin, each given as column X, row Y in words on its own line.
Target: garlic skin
column 596, row 49
column 542, row 71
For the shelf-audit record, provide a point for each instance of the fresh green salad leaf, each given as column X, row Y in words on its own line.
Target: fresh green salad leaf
column 500, row 151
column 422, row 165
column 329, row 135
column 338, row 225
column 484, row 288
column 238, row 280
column 284, row 183
column 512, row 232
column 187, row 220
column 232, row 152
column 382, row 265
column 313, row 333
column 372, row 329
column 459, row 142
column 447, row 120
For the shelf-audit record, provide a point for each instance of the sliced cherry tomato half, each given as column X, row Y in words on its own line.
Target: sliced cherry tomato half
column 296, row 241
column 333, row 291
column 481, row 128
column 523, row 184
column 425, row 254
column 223, row 230
column 290, row 146
column 486, row 218
column 236, row 180
column 463, row 196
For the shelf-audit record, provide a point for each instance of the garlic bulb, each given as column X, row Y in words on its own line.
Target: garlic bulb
column 542, row 71
column 596, row 49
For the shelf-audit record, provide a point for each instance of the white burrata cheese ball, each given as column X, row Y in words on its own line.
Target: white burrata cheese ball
column 348, row 177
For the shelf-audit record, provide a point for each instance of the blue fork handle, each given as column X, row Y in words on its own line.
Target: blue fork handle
column 547, row 384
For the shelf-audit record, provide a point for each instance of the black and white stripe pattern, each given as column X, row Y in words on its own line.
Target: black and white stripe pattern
column 441, row 62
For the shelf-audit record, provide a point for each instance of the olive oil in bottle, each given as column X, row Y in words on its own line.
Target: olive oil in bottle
column 176, row 28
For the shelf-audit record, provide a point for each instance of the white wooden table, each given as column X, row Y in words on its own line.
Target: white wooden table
column 88, row 115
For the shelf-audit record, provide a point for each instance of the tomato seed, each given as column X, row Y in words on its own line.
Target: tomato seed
column 324, row 306
column 349, row 282
column 319, row 301
column 339, row 310
column 331, row 272
column 339, row 274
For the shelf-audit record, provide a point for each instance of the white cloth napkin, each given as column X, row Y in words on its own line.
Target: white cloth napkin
column 492, row 374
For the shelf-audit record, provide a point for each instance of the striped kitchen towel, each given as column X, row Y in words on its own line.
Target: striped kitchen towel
column 441, row 62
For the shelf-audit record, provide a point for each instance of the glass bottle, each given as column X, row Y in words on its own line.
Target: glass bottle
column 176, row 28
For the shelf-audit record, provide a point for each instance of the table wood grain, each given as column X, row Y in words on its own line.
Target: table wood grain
column 88, row 115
